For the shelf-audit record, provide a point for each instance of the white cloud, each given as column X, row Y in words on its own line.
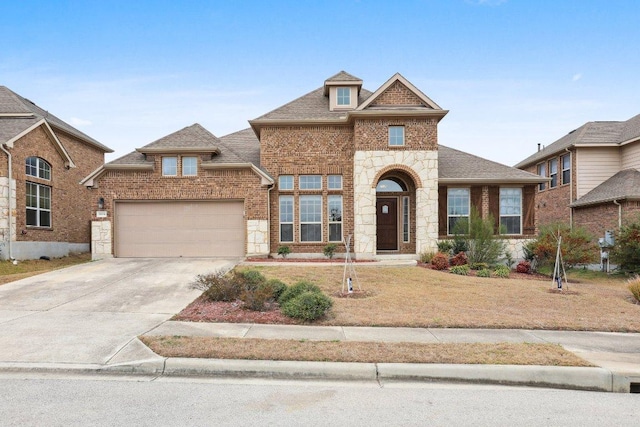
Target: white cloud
column 576, row 77
column 75, row 121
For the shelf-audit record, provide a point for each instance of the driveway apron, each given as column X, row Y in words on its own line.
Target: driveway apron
column 88, row 313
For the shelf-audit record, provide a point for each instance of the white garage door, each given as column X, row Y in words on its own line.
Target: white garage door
column 179, row 229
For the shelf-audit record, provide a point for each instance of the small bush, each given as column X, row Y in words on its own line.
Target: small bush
column 634, row 287
column 297, row 289
column 501, row 271
column 284, row 251
column 440, row 261
column 330, row 250
column 426, row 256
column 307, row 306
column 462, row 270
column 219, row 286
column 445, row 246
column 253, row 277
column 460, row 259
column 524, row 267
column 577, row 247
column 508, row 259
column 255, row 297
column 479, row 266
column 485, row 272
column 626, row 252
column 277, row 287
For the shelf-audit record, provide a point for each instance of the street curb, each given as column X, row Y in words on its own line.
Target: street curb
column 560, row 377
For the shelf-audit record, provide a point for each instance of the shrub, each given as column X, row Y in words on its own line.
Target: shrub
column 284, row 251
column 440, row 261
column 307, row 306
column 508, row 259
column 482, row 245
column 485, row 272
column 252, row 277
column 277, row 288
column 297, row 289
column 577, row 245
column 426, row 256
column 626, row 252
column 479, row 266
column 460, row 259
column 528, row 250
column 219, row 286
column 634, row 287
column 462, row 270
column 501, row 271
column 524, row 267
column 330, row 250
column 445, row 246
column 255, row 297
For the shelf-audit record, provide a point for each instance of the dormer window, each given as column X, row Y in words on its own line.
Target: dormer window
column 344, row 96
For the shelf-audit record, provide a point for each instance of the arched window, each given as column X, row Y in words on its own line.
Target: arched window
column 393, row 185
column 35, row 166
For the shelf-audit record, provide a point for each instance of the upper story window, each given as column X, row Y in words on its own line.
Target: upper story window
column 170, row 166
column 511, row 210
column 37, row 167
column 310, row 182
column 344, row 96
column 285, row 182
column 334, row 182
column 553, row 173
column 542, row 171
column 396, row 136
column 566, row 168
column 189, row 166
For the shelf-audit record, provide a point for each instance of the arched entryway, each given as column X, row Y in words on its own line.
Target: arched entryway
column 395, row 213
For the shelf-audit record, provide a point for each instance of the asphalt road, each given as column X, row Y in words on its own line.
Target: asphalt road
column 109, row 401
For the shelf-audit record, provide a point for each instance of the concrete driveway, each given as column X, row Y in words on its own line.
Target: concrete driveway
column 91, row 313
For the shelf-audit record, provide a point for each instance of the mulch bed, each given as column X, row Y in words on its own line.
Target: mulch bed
column 202, row 310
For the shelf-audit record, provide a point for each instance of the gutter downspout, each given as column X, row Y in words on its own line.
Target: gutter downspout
column 269, row 219
column 570, row 188
column 615, row 202
column 9, row 170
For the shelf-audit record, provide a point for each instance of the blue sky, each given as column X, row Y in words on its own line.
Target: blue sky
column 513, row 73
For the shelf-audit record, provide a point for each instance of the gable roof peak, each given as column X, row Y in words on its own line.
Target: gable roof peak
column 342, row 79
column 397, row 77
column 188, row 139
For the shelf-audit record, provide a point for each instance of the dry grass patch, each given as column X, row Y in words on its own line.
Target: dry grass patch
column 28, row 268
column 419, row 297
column 366, row 352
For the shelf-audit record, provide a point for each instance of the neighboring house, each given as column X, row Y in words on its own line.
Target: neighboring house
column 44, row 210
column 339, row 161
column 593, row 176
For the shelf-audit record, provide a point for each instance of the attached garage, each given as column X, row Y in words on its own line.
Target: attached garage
column 152, row 229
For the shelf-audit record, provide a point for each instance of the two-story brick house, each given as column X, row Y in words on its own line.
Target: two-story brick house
column 593, row 176
column 339, row 161
column 44, row 210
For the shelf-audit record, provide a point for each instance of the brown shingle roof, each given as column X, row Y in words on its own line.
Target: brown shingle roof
column 193, row 137
column 343, row 76
column 623, row 185
column 458, row 166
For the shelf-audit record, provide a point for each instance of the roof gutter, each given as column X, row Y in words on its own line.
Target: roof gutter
column 9, row 170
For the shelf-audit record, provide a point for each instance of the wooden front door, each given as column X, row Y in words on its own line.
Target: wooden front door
column 387, row 224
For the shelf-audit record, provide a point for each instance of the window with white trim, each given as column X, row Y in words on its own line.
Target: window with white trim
column 310, row 218
column 286, row 218
column 457, row 210
column 170, row 166
column 511, row 210
column 285, row 182
column 396, row 136
column 566, row 168
column 343, row 96
column 553, row 173
column 189, row 166
column 38, row 205
column 405, row 219
column 334, row 182
column 310, row 182
column 35, row 166
column 542, row 171
column 334, row 204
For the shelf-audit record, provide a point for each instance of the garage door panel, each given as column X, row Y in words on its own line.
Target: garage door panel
column 174, row 229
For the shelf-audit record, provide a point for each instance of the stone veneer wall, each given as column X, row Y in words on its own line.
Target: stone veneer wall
column 257, row 237
column 101, row 240
column 5, row 210
column 367, row 165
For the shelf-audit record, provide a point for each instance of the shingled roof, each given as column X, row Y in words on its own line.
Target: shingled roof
column 456, row 166
column 625, row 185
column 18, row 114
column 190, row 138
column 592, row 133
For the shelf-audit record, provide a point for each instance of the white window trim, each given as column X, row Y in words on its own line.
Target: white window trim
column 510, row 216
column 338, row 104
column 468, row 215
column 309, row 222
column 281, row 188
column 563, row 170
column 39, row 162
column 310, row 189
column 406, row 210
column 38, row 209
column 341, row 222
column 292, row 222
column 329, row 187
column 196, row 166
column 543, row 185
column 551, row 174
column 403, row 136
column 162, row 165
